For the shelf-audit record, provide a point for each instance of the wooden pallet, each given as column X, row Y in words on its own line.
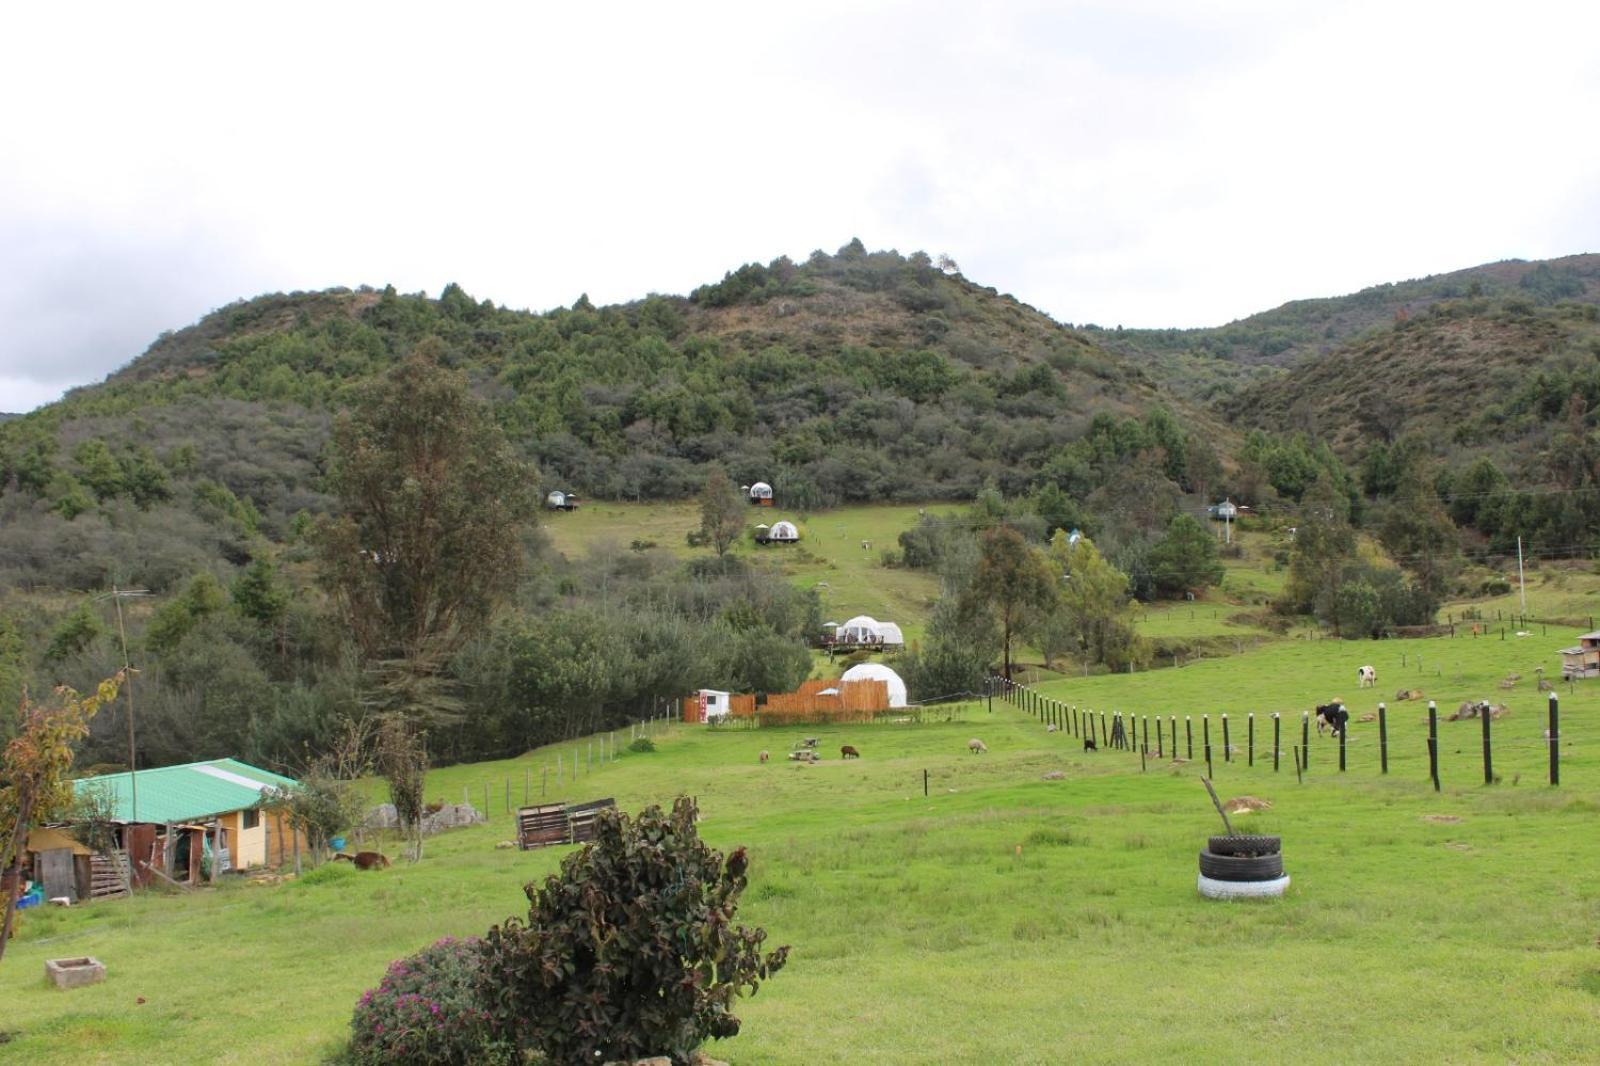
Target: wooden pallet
column 543, row 825
column 583, row 816
column 106, row 881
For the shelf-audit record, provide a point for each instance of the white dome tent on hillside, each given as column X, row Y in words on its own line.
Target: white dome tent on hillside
column 864, row 630
column 778, row 533
column 561, row 501
column 761, row 494
column 879, row 672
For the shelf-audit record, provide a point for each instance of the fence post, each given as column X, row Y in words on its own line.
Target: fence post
column 1305, row 740
column 1146, row 745
column 1383, row 738
column 924, row 784
column 1554, row 734
column 1250, row 739
column 1227, row 752
column 1188, row 733
column 1343, row 730
column 1174, row 719
column 1488, row 757
column 1104, row 736
column 1161, row 735
column 1277, row 747
column 1297, row 765
column 1433, row 743
column 1205, row 734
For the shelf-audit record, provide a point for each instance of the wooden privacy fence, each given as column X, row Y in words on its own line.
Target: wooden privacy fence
column 813, row 701
column 1158, row 735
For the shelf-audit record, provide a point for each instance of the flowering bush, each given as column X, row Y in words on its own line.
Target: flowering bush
column 426, row 1011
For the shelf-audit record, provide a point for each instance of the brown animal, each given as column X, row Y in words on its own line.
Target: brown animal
column 976, row 746
column 763, row 756
column 847, row 752
column 365, row 860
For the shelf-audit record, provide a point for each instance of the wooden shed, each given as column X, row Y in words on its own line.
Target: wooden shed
column 1584, row 660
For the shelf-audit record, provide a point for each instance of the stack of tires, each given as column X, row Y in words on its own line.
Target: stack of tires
column 1242, row 867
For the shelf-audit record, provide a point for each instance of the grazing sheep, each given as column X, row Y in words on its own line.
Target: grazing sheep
column 976, row 746
column 763, row 756
column 1051, row 728
column 847, row 752
column 365, row 860
column 810, row 742
column 1089, row 744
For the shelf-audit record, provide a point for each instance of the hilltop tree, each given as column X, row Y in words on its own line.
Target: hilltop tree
column 1323, row 544
column 429, row 542
column 1185, row 558
column 722, row 513
column 1015, row 581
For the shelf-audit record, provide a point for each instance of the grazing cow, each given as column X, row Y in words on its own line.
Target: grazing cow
column 763, row 756
column 977, row 747
column 847, row 752
column 1332, row 716
column 1367, row 676
column 365, row 860
column 1089, row 744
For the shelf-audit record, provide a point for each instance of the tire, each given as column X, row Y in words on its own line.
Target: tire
column 1241, row 867
column 1243, row 845
column 1214, row 889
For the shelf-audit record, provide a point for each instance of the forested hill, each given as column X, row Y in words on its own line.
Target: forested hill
column 1213, row 362
column 851, row 377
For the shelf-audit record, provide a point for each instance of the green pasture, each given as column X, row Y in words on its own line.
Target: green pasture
column 999, row 918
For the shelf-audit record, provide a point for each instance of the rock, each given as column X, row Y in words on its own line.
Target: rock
column 700, row 1058
column 1368, row 718
column 74, row 973
column 1246, row 803
column 383, row 816
column 504, row 844
column 1055, row 775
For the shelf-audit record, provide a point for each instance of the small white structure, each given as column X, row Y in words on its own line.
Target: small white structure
column 761, row 494
column 864, row 629
column 783, row 532
column 713, row 704
column 879, row 672
column 557, row 500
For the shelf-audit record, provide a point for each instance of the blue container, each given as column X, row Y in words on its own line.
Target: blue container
column 337, row 843
column 30, row 899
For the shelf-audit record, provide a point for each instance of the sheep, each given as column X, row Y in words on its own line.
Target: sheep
column 977, row 747
column 764, row 756
column 1051, row 728
column 848, row 752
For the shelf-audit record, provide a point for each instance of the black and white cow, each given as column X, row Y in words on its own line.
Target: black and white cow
column 1332, row 716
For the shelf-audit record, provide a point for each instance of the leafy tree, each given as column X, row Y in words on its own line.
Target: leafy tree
column 34, row 782
column 722, row 513
column 1094, row 602
column 1323, row 544
column 957, row 652
column 259, row 596
column 178, row 617
column 73, row 634
column 402, row 759
column 1015, row 581
column 1417, row 531
column 429, row 542
column 1185, row 558
column 631, row 950
column 98, row 468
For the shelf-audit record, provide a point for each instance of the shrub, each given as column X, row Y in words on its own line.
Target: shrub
column 631, row 949
column 642, row 745
column 426, row 1010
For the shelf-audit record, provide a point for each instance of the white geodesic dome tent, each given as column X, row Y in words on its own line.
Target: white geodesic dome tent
column 783, row 531
column 761, row 492
column 864, row 629
column 556, row 500
column 879, row 672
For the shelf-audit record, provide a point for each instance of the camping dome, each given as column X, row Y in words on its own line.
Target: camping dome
column 879, row 672
column 556, row 500
column 783, row 531
column 891, row 633
column 858, row 630
column 761, row 491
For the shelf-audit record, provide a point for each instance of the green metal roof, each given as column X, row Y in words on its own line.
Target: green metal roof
column 185, row 793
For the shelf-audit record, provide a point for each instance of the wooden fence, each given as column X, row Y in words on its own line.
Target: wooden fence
column 1158, row 735
column 815, row 701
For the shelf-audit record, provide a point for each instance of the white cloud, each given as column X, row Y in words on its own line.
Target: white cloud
column 1147, row 163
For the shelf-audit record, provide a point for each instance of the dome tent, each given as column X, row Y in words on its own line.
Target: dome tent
column 879, row 672
column 861, row 629
column 761, row 494
column 783, row 531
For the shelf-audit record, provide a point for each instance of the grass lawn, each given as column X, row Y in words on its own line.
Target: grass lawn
column 1000, row 919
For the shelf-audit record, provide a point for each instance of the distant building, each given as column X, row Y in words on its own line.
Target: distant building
column 561, row 501
column 761, row 494
column 1584, row 660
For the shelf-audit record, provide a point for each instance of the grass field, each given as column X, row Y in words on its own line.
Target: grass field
column 1001, row 918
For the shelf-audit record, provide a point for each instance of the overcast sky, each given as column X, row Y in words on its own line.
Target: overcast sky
column 1147, row 164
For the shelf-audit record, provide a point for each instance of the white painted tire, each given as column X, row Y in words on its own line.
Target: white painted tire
column 1213, row 889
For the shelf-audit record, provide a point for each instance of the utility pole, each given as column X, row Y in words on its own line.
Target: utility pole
column 117, row 595
column 1522, row 581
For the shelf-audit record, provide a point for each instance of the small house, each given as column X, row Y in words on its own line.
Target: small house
column 713, row 705
column 174, row 823
column 1584, row 660
column 761, row 494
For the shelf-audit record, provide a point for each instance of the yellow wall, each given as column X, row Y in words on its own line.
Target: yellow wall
column 50, row 839
column 246, row 847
